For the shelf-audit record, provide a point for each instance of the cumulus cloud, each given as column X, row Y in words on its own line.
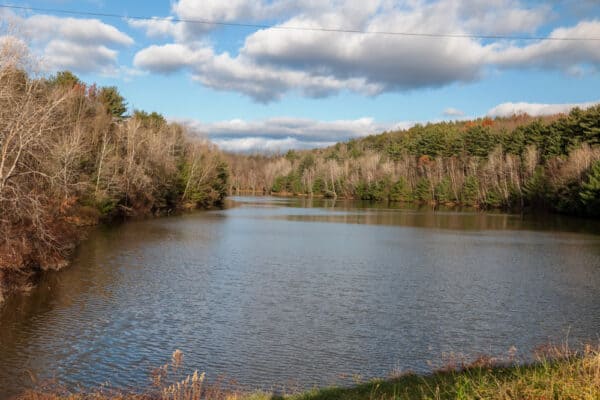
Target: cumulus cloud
column 62, row 54
column 283, row 133
column 80, row 31
column 562, row 54
column 502, row 17
column 205, row 12
column 390, row 62
column 157, row 27
column 171, row 57
column 195, row 19
column 535, row 109
column 274, row 61
column 264, row 83
column 80, row 45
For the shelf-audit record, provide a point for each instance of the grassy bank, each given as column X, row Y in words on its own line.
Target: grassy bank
column 557, row 374
column 574, row 379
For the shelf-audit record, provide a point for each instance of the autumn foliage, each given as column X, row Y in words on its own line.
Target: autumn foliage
column 70, row 157
column 521, row 162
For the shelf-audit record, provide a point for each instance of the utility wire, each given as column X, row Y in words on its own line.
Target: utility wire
column 296, row 28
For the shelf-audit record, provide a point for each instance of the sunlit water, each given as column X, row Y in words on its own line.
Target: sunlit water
column 280, row 292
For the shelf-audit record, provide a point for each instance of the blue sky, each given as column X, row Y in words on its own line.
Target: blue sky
column 252, row 89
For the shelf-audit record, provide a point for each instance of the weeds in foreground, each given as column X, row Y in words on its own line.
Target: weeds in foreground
column 557, row 373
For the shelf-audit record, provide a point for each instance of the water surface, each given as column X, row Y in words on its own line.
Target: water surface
column 297, row 293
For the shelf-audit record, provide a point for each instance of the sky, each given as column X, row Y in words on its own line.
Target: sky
column 262, row 88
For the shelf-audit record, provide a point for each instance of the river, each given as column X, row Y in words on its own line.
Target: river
column 293, row 293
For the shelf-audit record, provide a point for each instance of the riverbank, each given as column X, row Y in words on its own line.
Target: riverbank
column 557, row 374
column 70, row 157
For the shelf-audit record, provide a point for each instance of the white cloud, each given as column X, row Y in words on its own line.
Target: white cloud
column 535, row 109
column 195, row 18
column 556, row 54
column 266, row 83
column 390, row 62
column 283, row 127
column 283, row 133
column 157, row 27
column 453, row 112
column 218, row 10
column 80, row 45
column 80, row 31
column 502, row 17
column 171, row 57
column 265, row 145
column 62, row 54
column 237, row 11
column 274, row 61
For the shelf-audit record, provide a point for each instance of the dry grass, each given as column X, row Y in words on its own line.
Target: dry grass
column 557, row 373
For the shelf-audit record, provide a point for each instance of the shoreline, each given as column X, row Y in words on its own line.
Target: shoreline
column 557, row 372
column 25, row 278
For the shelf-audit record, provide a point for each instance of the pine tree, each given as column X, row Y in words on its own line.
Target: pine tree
column 64, row 79
column 113, row 101
column 590, row 190
column 470, row 191
column 400, row 191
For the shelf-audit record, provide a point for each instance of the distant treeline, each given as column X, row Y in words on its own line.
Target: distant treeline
column 550, row 163
column 69, row 156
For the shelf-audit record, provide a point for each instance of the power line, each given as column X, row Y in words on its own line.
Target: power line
column 296, row 28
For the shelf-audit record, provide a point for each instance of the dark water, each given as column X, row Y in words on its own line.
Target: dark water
column 277, row 292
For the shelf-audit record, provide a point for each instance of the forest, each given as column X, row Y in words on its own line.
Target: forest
column 517, row 163
column 70, row 157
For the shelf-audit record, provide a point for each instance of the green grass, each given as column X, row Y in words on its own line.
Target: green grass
column 558, row 380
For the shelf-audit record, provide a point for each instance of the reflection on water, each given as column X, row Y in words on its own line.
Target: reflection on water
column 300, row 292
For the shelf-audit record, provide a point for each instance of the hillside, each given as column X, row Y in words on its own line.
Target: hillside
column 522, row 162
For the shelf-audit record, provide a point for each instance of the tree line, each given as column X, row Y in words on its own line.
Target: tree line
column 70, row 156
column 521, row 162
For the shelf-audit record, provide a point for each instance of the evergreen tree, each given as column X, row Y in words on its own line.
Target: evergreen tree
column 151, row 120
column 423, row 190
column 220, row 181
column 443, row 192
column 479, row 141
column 470, row 191
column 590, row 190
column 318, row 186
column 536, row 189
column 400, row 191
column 113, row 101
column 590, row 124
column 64, row 79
